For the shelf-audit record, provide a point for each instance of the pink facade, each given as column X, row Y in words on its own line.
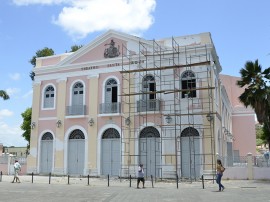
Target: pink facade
column 243, row 119
column 80, row 109
column 98, row 52
column 51, row 61
column 244, row 134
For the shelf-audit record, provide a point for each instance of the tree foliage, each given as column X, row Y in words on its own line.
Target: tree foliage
column 4, row 95
column 47, row 52
column 40, row 53
column 259, row 135
column 254, row 80
column 26, row 125
column 266, row 135
column 259, row 131
column 257, row 92
column 75, row 48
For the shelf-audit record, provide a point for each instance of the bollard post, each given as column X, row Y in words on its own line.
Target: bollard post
column 129, row 180
column 177, row 181
column 108, row 180
column 1, row 176
column 68, row 179
column 32, row 177
column 50, row 178
column 88, row 179
column 152, row 181
column 202, row 182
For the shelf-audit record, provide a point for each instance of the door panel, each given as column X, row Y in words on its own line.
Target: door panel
column 111, row 156
column 190, row 157
column 150, row 156
column 76, row 154
column 46, row 156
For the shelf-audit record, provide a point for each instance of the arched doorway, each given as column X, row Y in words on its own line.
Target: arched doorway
column 190, row 153
column 150, row 151
column 46, row 153
column 76, row 152
column 110, row 146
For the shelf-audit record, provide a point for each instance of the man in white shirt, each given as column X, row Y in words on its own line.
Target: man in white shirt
column 17, row 168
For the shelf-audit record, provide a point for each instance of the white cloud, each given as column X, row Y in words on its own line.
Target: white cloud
column 15, row 76
column 12, row 91
column 11, row 135
column 45, row 2
column 81, row 17
column 85, row 17
column 5, row 113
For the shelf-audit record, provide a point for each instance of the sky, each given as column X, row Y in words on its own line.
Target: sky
column 240, row 31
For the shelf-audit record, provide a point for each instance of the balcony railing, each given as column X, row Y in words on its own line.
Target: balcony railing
column 76, row 110
column 109, row 108
column 148, row 105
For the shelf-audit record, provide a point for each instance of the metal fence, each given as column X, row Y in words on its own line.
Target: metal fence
column 242, row 161
column 261, row 161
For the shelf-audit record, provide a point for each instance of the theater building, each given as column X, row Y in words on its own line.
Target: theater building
column 122, row 100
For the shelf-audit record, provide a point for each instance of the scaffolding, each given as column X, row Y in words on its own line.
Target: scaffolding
column 167, row 97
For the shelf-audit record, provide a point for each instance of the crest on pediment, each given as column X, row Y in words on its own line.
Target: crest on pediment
column 111, row 51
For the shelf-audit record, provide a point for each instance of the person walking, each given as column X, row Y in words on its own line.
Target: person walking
column 140, row 176
column 220, row 170
column 17, row 168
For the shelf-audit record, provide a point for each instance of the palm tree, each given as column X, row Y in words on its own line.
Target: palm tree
column 257, row 92
column 4, row 95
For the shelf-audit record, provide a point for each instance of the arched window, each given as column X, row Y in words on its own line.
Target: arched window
column 149, row 131
column 111, row 91
column 148, row 101
column 77, row 94
column 111, row 103
column 149, row 85
column 110, row 133
column 188, row 82
column 47, row 136
column 76, row 134
column 189, row 131
column 77, row 99
column 49, row 97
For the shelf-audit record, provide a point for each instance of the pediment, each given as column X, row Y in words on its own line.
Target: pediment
column 111, row 45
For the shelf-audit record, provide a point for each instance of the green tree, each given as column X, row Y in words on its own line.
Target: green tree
column 259, row 135
column 40, row 53
column 75, row 48
column 266, row 135
column 256, row 93
column 4, row 95
column 26, row 125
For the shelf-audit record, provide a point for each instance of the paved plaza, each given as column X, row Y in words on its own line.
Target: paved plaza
column 78, row 190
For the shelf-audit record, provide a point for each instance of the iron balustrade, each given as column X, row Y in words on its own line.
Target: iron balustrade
column 76, row 110
column 148, row 105
column 109, row 108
